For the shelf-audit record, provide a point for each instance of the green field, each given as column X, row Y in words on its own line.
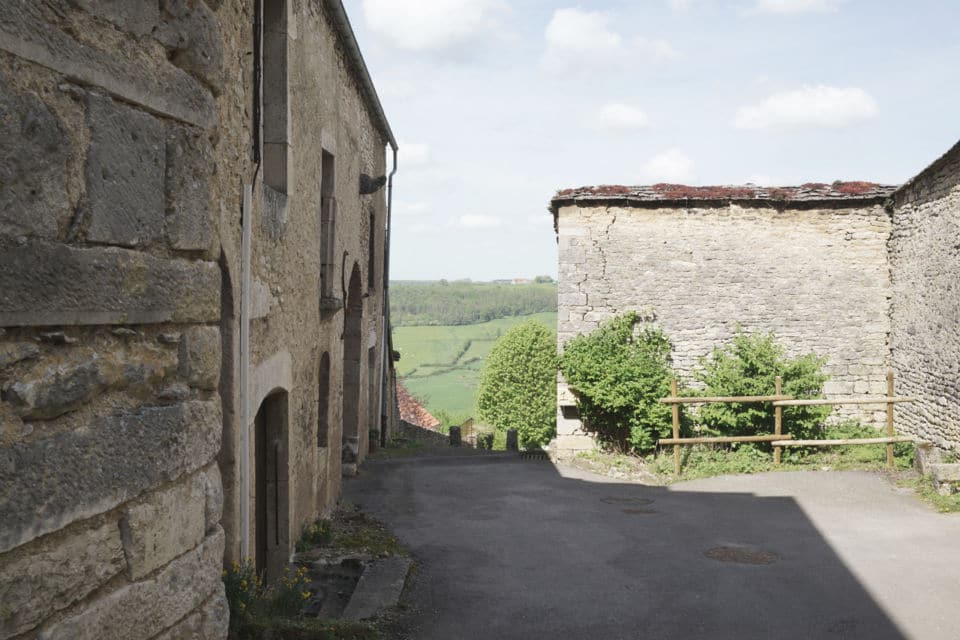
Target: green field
column 441, row 364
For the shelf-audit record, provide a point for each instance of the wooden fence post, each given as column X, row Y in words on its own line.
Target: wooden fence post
column 675, row 408
column 890, row 432
column 778, row 421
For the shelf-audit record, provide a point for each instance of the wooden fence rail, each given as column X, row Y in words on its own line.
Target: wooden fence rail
column 780, row 439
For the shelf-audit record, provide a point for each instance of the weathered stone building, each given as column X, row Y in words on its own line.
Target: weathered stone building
column 193, row 325
column 845, row 270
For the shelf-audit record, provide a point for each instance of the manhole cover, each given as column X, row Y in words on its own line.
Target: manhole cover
column 741, row 555
column 640, row 511
column 627, row 500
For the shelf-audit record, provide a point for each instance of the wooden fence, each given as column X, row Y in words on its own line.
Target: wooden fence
column 778, row 438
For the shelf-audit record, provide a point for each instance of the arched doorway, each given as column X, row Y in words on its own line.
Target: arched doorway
column 272, row 488
column 352, row 337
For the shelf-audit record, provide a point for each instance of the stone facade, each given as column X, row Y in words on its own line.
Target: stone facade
column 807, row 263
column 925, row 331
column 170, row 362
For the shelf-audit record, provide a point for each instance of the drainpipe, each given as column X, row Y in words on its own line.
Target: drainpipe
column 246, row 238
column 245, row 369
column 385, row 317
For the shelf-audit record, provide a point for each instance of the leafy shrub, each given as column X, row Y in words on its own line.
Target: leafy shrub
column 518, row 384
column 619, row 372
column 748, row 366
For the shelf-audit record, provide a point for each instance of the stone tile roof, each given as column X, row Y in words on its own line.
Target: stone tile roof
column 412, row 411
column 677, row 193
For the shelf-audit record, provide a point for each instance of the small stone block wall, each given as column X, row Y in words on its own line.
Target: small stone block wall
column 925, row 331
column 815, row 276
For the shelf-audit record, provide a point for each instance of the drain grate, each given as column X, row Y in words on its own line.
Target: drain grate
column 534, row 455
column 741, row 555
column 626, row 500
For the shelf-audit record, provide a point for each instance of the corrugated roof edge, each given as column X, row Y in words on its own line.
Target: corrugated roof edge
column 342, row 24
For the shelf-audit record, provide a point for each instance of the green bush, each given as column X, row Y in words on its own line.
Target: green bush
column 518, row 384
column 619, row 372
column 748, row 366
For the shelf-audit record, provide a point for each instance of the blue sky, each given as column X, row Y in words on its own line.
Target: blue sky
column 498, row 104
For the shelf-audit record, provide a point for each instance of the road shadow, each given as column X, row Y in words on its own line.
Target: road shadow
column 513, row 549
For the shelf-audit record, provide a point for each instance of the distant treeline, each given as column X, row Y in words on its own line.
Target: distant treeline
column 459, row 303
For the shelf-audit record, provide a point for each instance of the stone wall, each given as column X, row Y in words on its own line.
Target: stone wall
column 127, row 146
column 925, row 263
column 110, row 299
column 815, row 274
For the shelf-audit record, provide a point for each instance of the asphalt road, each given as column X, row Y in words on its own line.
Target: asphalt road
column 521, row 549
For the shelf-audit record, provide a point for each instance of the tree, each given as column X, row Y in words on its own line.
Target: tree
column 619, row 373
column 748, row 366
column 543, row 279
column 518, row 384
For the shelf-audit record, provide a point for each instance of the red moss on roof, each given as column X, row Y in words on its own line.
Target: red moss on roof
column 412, row 411
column 683, row 192
column 808, row 192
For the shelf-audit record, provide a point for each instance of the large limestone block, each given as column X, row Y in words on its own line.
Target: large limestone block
column 191, row 33
column 211, row 622
column 144, row 609
column 162, row 89
column 190, row 166
column 43, row 284
column 50, row 483
column 55, row 386
column 200, row 357
column 54, row 574
column 34, row 150
column 213, row 485
column 125, row 174
column 135, row 16
column 164, row 525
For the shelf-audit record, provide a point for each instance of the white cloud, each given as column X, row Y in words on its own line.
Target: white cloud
column 819, row 106
column 617, row 116
column 433, row 25
column 411, row 209
column 414, row 154
column 477, row 221
column 796, row 6
column 670, row 166
column 579, row 41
